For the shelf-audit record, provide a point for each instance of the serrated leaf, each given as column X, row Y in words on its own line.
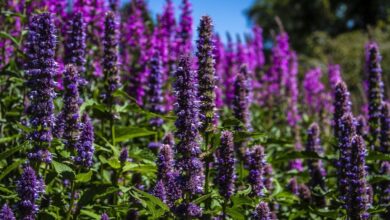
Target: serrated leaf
column 61, row 168
column 154, row 200
column 128, row 133
column 235, row 213
column 84, row 177
column 114, row 163
column 90, row 214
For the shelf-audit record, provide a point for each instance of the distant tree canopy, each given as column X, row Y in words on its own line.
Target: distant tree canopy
column 302, row 18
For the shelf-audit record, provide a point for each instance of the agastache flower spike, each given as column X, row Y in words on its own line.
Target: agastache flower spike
column 6, row 213
column 123, row 156
column 313, row 88
column 342, row 105
column 334, row 75
column 262, row 212
column 75, row 43
column 104, row 217
column 185, row 29
column 188, row 153
column 29, row 188
column 385, row 129
column 358, row 197
column 40, row 68
column 361, row 126
column 110, row 56
column 316, row 169
column 241, row 100
column 229, row 72
column 155, row 93
column 85, row 148
column 70, row 111
column 258, row 47
column 375, row 92
column 384, row 197
column 347, row 131
column 206, row 73
column 256, row 163
column 225, row 165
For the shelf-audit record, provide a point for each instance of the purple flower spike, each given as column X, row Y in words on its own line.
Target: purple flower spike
column 358, row 200
column 342, row 105
column 85, row 148
column 316, row 169
column 75, row 43
column 104, row 217
column 385, row 129
column 314, row 90
column 241, row 99
column 206, row 73
column 384, row 197
column 110, row 56
column 375, row 92
column 188, row 153
column 292, row 91
column 347, row 131
column 256, row 163
column 123, row 156
column 40, row 69
column 229, row 72
column 6, row 213
column 70, row 111
column 257, row 45
column 293, row 186
column 225, row 165
column 155, row 92
column 361, row 126
column 185, row 29
column 262, row 212
column 334, row 75
column 29, row 188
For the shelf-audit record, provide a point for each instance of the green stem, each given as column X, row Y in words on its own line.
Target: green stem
column 207, row 171
column 72, row 199
column 224, row 205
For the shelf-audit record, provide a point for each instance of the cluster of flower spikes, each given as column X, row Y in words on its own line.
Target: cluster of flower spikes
column 40, row 68
column 375, row 92
column 188, row 151
column 184, row 32
column 29, row 188
column 206, row 73
column 256, row 163
column 110, row 57
column 225, row 165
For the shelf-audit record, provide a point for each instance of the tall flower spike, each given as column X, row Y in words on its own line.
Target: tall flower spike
column 6, row 213
column 225, row 165
column 70, row 112
column 334, row 75
column 29, row 188
column 316, row 169
column 104, row 217
column 347, row 131
column 240, row 102
column 85, row 148
column 375, row 92
column 40, row 68
column 342, row 105
column 185, row 29
column 358, row 197
column 229, row 72
column 361, row 126
column 123, row 156
column 75, row 43
column 256, row 164
column 384, row 197
column 292, row 91
column 385, row 129
column 314, row 90
column 155, row 92
column 206, row 73
column 257, row 45
column 262, row 212
column 188, row 153
column 110, row 56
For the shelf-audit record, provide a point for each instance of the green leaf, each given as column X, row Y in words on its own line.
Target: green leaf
column 90, row 214
column 5, row 35
column 140, row 168
column 296, row 155
column 114, row 163
column 11, row 167
column 235, row 213
column 8, row 139
column 378, row 178
column 61, row 168
column 84, row 177
column 202, row 198
column 375, row 155
column 127, row 133
column 154, row 200
column 11, row 151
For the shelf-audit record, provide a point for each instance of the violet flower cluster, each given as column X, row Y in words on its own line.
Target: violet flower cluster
column 256, row 164
column 187, row 123
column 229, row 73
column 110, row 57
column 292, row 91
column 334, row 75
column 385, row 129
column 225, row 165
column 375, row 92
column 29, row 188
column 314, row 90
column 40, row 68
column 262, row 212
column 184, row 32
column 155, row 91
column 75, row 45
column 342, row 106
column 6, row 213
column 206, row 73
column 384, row 197
column 241, row 100
column 85, row 148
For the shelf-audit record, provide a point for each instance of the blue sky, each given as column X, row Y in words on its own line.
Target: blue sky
column 228, row 15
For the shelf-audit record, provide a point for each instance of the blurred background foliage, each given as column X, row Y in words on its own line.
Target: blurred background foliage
column 330, row 31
